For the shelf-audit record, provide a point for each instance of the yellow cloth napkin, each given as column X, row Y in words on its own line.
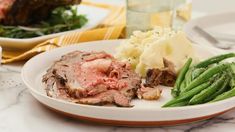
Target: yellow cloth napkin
column 111, row 28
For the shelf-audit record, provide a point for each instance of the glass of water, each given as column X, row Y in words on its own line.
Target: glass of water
column 181, row 13
column 146, row 14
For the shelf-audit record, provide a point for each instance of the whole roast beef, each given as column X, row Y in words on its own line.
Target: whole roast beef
column 94, row 78
column 24, row 12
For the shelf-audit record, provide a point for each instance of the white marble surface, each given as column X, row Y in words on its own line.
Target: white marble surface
column 20, row 112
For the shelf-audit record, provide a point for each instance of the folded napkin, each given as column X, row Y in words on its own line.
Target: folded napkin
column 111, row 28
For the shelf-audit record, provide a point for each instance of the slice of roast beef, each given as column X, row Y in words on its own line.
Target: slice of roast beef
column 94, row 78
column 107, row 97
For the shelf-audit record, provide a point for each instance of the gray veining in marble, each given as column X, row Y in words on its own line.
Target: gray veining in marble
column 20, row 112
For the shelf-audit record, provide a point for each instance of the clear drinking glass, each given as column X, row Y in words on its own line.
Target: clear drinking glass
column 181, row 13
column 146, row 14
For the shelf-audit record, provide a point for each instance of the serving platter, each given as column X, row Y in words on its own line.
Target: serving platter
column 94, row 15
column 144, row 113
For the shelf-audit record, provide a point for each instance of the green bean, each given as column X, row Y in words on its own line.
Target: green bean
column 225, row 95
column 232, row 66
column 183, row 85
column 175, row 91
column 215, row 59
column 231, row 73
column 200, row 97
column 183, row 103
column 222, row 89
column 205, row 76
column 197, row 72
column 232, row 81
column 188, row 76
column 187, row 95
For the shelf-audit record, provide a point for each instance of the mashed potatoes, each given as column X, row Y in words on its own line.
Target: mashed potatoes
column 134, row 47
column 145, row 50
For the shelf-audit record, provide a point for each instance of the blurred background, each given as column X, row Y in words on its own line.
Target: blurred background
column 204, row 6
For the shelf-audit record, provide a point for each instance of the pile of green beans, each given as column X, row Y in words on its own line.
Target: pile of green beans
column 208, row 81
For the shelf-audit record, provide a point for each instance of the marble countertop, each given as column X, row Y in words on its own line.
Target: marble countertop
column 20, row 112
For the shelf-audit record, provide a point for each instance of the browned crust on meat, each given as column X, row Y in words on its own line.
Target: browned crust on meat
column 165, row 76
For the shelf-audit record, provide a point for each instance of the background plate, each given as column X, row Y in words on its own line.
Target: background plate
column 219, row 25
column 94, row 14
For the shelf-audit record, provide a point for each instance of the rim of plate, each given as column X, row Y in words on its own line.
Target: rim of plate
column 23, row 76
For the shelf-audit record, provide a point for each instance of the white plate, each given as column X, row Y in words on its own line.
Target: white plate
column 143, row 112
column 221, row 26
column 94, row 15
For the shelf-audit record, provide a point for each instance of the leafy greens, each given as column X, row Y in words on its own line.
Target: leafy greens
column 61, row 19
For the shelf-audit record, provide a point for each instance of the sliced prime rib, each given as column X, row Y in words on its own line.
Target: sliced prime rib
column 24, row 12
column 94, row 78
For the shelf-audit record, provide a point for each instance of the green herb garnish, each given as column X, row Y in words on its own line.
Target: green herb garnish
column 61, row 19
